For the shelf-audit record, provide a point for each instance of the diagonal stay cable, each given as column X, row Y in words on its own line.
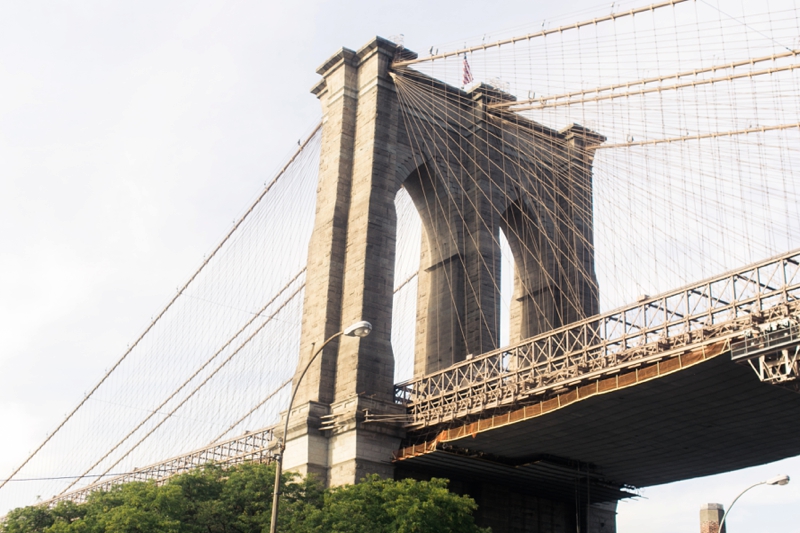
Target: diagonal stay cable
column 253, row 410
column 207, row 379
column 188, row 380
column 399, row 79
column 167, row 307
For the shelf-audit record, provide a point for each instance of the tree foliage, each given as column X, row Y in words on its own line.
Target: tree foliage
column 385, row 506
column 239, row 500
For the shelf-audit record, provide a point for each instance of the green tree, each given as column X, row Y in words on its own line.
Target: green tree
column 238, row 499
column 385, row 506
column 34, row 519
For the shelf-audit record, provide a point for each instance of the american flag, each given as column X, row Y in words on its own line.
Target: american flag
column 467, row 72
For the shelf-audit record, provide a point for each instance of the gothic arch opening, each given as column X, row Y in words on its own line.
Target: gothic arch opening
column 507, row 269
column 406, row 282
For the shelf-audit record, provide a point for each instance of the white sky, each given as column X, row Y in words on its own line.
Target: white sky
column 132, row 134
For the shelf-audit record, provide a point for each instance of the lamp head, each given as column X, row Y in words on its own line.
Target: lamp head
column 778, row 480
column 359, row 329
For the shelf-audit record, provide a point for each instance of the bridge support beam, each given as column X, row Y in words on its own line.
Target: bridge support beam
column 510, row 511
column 507, row 507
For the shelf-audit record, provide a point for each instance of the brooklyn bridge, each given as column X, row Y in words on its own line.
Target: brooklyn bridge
column 576, row 247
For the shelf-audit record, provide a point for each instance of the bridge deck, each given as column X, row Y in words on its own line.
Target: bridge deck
column 724, row 308
column 642, row 395
column 710, row 415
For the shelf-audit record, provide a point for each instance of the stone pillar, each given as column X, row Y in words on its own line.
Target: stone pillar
column 601, row 517
column 307, row 446
column 365, row 369
column 350, row 276
column 441, row 274
column 710, row 517
column 576, row 209
column 459, row 297
column 549, row 228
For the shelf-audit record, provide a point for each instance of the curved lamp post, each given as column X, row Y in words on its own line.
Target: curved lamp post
column 359, row 329
column 777, row 480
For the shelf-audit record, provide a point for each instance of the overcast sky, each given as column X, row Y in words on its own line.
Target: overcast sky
column 133, row 133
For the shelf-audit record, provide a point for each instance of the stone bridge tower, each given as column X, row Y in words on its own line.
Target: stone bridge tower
column 368, row 153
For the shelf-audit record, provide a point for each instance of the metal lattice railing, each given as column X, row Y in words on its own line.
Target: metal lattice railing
column 717, row 309
column 251, row 447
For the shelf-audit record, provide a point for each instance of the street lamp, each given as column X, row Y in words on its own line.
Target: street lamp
column 359, row 329
column 777, row 480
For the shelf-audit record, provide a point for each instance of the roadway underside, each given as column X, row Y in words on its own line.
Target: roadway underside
column 707, row 418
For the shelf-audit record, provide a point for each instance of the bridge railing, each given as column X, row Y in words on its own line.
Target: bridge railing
column 680, row 318
column 253, row 446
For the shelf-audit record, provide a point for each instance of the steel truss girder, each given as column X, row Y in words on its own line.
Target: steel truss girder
column 254, row 446
column 718, row 309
